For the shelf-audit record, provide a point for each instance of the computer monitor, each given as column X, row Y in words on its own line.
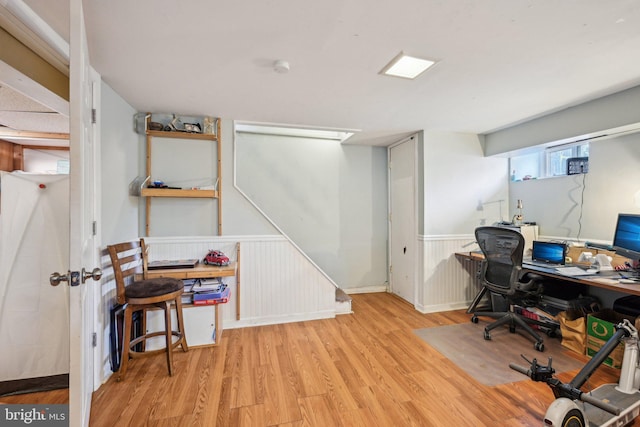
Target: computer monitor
column 626, row 239
column 549, row 252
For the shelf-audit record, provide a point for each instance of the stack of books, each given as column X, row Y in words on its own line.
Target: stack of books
column 205, row 292
column 187, row 296
column 211, row 296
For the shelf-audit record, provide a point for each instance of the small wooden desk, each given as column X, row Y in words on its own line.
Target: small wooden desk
column 201, row 271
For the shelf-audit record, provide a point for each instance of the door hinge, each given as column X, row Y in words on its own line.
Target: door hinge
column 94, row 228
column 94, row 114
column 94, row 339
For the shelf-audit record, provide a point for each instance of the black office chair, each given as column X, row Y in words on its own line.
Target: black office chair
column 502, row 275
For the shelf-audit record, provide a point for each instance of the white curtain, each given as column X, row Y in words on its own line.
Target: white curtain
column 34, row 236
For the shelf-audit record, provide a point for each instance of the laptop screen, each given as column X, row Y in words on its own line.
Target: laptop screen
column 549, row 252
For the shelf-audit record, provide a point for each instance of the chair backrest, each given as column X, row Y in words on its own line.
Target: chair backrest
column 503, row 249
column 127, row 259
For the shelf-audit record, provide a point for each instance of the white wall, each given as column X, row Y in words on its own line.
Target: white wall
column 462, row 190
column 619, row 109
column 580, row 206
column 329, row 198
column 586, row 206
column 457, row 180
column 120, row 159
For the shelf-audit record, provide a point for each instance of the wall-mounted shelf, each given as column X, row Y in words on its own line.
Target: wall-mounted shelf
column 174, row 192
column 182, row 135
column 212, row 133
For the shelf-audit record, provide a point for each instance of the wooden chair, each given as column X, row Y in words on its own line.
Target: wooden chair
column 129, row 259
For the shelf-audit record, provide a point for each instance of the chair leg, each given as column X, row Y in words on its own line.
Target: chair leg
column 168, row 334
column 502, row 320
column 476, row 300
column 143, row 328
column 183, row 336
column 126, row 339
column 518, row 321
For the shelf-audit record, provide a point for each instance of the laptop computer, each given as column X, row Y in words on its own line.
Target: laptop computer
column 177, row 263
column 547, row 254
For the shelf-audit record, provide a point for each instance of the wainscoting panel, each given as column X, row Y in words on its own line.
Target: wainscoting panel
column 277, row 283
column 447, row 283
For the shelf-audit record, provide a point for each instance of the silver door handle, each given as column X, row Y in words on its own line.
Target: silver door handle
column 95, row 274
column 56, row 278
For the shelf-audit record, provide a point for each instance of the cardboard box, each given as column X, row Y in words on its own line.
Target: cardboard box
column 601, row 327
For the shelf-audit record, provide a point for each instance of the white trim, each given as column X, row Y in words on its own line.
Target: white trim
column 32, row 31
column 32, row 89
column 276, row 320
column 441, row 307
column 366, row 289
column 221, row 239
column 441, row 237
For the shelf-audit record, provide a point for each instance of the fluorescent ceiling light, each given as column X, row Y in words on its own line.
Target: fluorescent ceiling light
column 408, row 67
column 284, row 130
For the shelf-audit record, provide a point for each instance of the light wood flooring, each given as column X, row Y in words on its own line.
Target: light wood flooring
column 362, row 369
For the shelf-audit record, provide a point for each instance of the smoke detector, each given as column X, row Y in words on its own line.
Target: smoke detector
column 281, row 66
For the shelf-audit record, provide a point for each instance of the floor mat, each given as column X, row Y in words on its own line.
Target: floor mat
column 488, row 361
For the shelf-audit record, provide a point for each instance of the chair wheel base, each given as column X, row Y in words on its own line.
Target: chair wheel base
column 539, row 346
column 474, row 319
column 487, row 335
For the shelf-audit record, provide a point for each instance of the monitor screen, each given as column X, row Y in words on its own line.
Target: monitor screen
column 626, row 239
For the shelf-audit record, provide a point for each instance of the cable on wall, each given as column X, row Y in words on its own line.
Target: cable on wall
column 584, row 176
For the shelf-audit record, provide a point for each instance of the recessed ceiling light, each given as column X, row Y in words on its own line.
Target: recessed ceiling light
column 408, row 67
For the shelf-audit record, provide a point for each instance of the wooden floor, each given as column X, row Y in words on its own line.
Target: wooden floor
column 362, row 369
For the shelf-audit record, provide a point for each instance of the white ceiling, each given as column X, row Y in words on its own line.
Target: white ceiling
column 500, row 62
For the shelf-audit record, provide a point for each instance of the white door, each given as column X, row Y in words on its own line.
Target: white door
column 83, row 242
column 402, row 219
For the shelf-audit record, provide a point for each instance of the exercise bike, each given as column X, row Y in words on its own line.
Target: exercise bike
column 607, row 405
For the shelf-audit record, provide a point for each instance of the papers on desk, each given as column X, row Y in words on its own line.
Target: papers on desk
column 572, row 271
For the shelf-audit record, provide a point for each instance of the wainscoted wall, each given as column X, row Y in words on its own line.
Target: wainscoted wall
column 445, row 282
column 277, row 283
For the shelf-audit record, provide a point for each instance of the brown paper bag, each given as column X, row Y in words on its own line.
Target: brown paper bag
column 574, row 332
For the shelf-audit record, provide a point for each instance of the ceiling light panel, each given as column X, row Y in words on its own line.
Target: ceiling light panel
column 408, row 67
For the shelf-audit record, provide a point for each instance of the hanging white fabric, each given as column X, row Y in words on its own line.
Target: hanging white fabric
column 34, row 242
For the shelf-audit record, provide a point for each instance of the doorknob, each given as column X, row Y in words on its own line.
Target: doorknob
column 73, row 278
column 56, row 278
column 95, row 274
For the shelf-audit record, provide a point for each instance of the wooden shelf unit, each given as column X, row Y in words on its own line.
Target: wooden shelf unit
column 149, row 193
column 202, row 271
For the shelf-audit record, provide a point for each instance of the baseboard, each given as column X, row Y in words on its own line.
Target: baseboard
column 276, row 320
column 366, row 290
column 442, row 307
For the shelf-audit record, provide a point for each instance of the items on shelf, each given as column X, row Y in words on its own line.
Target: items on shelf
column 205, row 291
column 171, row 122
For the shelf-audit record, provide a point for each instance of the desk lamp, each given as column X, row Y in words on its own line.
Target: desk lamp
column 518, row 219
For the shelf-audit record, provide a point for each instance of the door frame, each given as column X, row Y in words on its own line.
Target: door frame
column 414, row 140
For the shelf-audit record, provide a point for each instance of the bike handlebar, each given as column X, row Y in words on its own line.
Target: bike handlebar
column 520, row 369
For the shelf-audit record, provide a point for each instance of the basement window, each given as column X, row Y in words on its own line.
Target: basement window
column 295, row 131
column 546, row 162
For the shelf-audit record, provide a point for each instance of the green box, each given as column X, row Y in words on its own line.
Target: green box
column 601, row 327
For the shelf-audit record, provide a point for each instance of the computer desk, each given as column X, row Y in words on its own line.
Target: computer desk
column 611, row 283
